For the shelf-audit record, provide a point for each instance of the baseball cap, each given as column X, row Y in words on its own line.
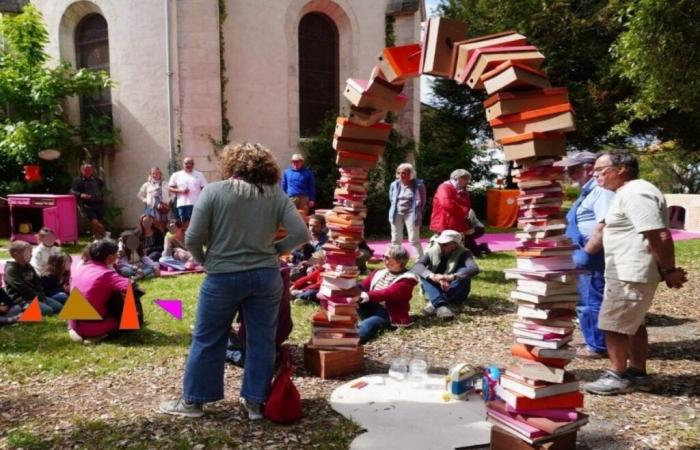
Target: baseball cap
column 448, row 236
column 297, row 157
column 584, row 157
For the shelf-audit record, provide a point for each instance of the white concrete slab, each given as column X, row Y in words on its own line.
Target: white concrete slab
column 403, row 416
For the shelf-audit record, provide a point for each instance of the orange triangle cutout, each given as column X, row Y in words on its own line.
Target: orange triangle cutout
column 130, row 317
column 78, row 308
column 32, row 313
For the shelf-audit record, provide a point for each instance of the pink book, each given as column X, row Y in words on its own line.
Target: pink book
column 527, row 430
column 557, row 414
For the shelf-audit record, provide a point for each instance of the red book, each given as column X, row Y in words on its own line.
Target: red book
column 522, row 403
column 525, row 352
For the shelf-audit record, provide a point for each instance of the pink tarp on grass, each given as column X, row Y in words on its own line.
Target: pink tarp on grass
column 506, row 242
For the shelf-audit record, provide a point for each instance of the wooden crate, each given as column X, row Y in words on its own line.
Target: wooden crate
column 501, row 440
column 333, row 363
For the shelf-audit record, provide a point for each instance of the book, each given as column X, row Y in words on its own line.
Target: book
column 537, row 298
column 371, row 147
column 561, row 401
column 440, row 35
column 521, row 428
column 525, row 352
column 365, row 116
column 531, row 144
column 569, row 305
column 549, row 343
column 559, row 276
column 506, row 103
column 546, row 263
column 335, row 339
column 463, row 50
column 379, row 86
column 532, row 251
column 562, row 415
column 344, row 128
column 533, row 183
column 484, row 59
column 512, row 75
column 352, row 159
column 557, row 118
column 541, row 326
column 552, row 426
column 337, row 282
column 529, row 390
column 356, row 93
column 400, row 63
column 547, row 287
column 535, row 313
column 333, row 293
column 539, row 334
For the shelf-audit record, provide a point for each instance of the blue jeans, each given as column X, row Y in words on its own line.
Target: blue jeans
column 591, row 287
column 457, row 292
column 51, row 305
column 258, row 292
column 374, row 318
column 184, row 213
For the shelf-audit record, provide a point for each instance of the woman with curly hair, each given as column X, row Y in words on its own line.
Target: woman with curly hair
column 236, row 220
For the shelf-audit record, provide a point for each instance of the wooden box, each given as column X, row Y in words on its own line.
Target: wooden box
column 333, row 363
column 502, row 440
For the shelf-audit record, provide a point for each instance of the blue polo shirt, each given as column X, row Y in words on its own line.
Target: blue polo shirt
column 296, row 183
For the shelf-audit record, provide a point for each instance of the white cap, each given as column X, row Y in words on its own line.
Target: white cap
column 448, row 236
column 297, row 157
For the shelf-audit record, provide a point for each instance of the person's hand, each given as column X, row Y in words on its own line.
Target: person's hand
column 85, row 196
column 364, row 297
column 3, row 308
column 294, row 292
column 185, row 190
column 311, row 203
column 676, row 278
column 445, row 283
column 581, row 258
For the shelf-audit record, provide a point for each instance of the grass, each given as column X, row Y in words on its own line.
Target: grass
column 71, row 249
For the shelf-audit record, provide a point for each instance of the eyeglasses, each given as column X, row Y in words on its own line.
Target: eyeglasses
column 386, row 257
column 601, row 170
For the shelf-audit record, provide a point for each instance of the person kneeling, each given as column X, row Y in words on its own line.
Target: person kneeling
column 445, row 273
column 386, row 296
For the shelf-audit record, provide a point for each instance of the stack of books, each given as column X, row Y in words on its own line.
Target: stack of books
column 538, row 399
column 359, row 141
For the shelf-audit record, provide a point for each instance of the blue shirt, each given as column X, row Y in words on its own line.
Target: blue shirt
column 297, row 183
column 593, row 207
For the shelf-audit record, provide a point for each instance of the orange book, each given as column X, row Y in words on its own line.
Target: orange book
column 348, row 130
column 522, row 351
column 505, row 103
column 400, row 63
column 352, row 159
column 522, row 403
column 557, row 118
column 513, row 75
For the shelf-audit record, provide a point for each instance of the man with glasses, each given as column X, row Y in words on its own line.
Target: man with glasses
column 583, row 218
column 299, row 183
column 445, row 272
column 639, row 253
column 186, row 184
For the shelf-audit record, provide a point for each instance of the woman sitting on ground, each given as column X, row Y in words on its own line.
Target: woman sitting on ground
column 152, row 239
column 386, row 297
column 175, row 253
column 97, row 280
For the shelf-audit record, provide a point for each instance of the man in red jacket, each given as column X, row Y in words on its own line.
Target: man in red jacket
column 451, row 204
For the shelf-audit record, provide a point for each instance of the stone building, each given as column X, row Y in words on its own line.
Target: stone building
column 189, row 70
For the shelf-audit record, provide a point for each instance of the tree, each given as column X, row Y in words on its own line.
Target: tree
column 33, row 94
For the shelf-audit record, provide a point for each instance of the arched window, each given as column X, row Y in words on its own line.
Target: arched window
column 318, row 71
column 92, row 52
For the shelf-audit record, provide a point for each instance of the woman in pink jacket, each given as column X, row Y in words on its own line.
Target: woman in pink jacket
column 97, row 280
column 386, row 296
column 451, row 204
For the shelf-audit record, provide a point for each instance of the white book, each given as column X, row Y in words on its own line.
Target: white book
column 553, row 343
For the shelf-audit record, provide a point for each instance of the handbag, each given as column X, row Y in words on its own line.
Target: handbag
column 163, row 208
column 284, row 403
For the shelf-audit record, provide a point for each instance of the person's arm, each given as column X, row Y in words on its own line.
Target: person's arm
column 399, row 291
column 115, row 281
column 297, row 232
column 420, row 197
column 365, row 284
column 422, row 267
column 661, row 247
column 141, row 194
column 197, row 233
column 75, row 187
column 172, row 185
column 284, row 181
column 467, row 269
column 595, row 241
column 17, row 285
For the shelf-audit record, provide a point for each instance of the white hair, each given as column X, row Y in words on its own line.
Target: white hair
column 460, row 173
column 404, row 166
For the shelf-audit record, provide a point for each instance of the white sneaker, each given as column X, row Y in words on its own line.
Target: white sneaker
column 444, row 313
column 75, row 337
column 254, row 409
column 429, row 310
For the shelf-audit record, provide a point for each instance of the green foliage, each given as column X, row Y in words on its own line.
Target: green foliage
column 32, row 117
column 658, row 54
column 672, row 170
column 320, row 157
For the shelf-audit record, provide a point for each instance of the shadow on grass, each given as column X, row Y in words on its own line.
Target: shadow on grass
column 676, row 350
column 662, row 320
column 661, row 383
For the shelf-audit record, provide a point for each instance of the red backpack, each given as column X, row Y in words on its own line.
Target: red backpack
column 284, row 403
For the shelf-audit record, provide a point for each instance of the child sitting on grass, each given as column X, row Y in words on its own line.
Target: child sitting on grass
column 9, row 312
column 45, row 239
column 132, row 262
column 55, row 277
column 175, row 253
column 306, row 288
column 23, row 283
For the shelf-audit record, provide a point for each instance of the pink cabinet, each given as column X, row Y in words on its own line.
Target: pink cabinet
column 30, row 212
